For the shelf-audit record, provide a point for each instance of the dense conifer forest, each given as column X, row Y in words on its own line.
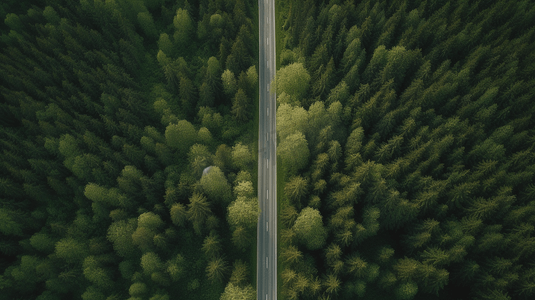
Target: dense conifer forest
column 406, row 136
column 111, row 112
column 405, row 143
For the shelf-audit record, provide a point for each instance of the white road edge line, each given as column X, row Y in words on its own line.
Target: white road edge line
column 267, row 109
column 267, row 226
column 267, row 163
column 267, row 194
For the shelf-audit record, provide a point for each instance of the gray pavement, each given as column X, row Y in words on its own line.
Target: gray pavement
column 266, row 279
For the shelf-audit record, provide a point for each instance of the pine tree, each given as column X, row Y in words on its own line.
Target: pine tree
column 198, row 211
column 296, row 190
column 217, row 269
column 291, row 255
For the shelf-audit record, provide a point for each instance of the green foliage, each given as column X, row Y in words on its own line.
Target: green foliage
column 198, row 211
column 294, row 153
column 244, row 189
column 406, row 290
column 51, row 15
column 199, row 158
column 183, row 26
column 233, row 291
column 406, row 125
column 9, row 225
column 292, row 80
column 241, row 106
column 217, row 269
column 138, row 289
column 178, row 214
column 97, row 275
column 296, row 189
column 215, row 185
column 309, row 228
column 120, row 234
column 229, row 82
column 41, row 241
column 241, row 156
column 151, row 263
column 180, row 136
column 71, row 250
column 92, row 293
column 243, row 212
column 147, row 24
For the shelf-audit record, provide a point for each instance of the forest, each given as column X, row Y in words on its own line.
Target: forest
column 406, row 140
column 128, row 149
column 405, row 149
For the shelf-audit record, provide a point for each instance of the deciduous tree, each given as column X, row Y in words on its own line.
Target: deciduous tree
column 293, row 80
column 294, row 153
column 215, row 185
column 309, row 228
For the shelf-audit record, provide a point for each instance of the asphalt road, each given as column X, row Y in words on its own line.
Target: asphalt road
column 266, row 279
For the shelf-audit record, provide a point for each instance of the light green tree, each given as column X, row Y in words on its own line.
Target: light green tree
column 284, row 98
column 198, row 211
column 165, row 45
column 180, row 136
column 406, row 268
column 93, row 293
column 204, row 136
column 199, row 158
column 120, row 234
column 244, row 189
column 143, row 237
column 294, row 153
column 217, row 269
column 293, row 80
column 138, row 289
column 239, row 273
column 252, row 77
column 175, row 267
column 215, row 185
column 241, row 238
column 406, row 291
column 243, row 212
column 95, row 273
column 150, row 221
column 241, row 156
column 151, row 262
column 296, row 189
column 309, row 228
column 178, row 214
column 332, row 284
column 211, row 245
column 233, row 292
column 183, row 27
column 229, row 83
column 291, row 119
column 339, row 93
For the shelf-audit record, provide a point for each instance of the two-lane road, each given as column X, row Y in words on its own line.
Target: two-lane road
column 266, row 279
